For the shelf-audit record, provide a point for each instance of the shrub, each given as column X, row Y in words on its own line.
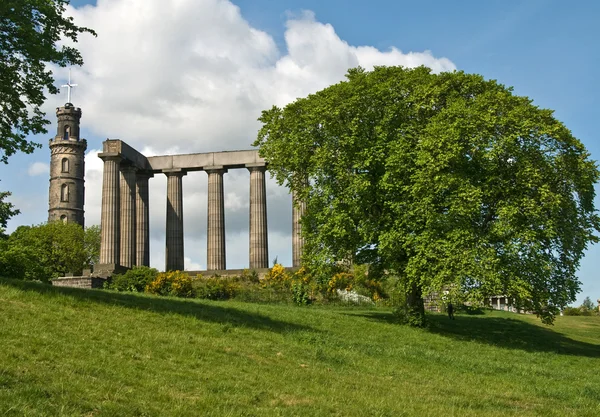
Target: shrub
column 276, row 276
column 340, row 281
column 409, row 316
column 135, row 279
column 215, row 288
column 300, row 293
column 176, row 283
column 577, row 311
column 251, row 276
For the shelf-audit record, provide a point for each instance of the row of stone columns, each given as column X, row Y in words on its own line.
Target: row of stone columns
column 125, row 217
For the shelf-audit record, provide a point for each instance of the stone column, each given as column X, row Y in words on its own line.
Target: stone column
column 110, row 217
column 142, row 218
column 259, row 246
column 128, row 212
column 298, row 209
column 174, row 241
column 215, row 257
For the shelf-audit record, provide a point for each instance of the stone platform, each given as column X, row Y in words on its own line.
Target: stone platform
column 79, row 282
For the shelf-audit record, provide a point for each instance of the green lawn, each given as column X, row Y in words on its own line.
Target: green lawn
column 95, row 353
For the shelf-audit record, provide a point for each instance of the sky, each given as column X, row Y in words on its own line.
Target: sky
column 194, row 76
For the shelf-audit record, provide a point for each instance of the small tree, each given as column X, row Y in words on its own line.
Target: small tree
column 7, row 210
column 91, row 245
column 588, row 304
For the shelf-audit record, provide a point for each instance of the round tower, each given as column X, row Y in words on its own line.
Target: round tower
column 67, row 168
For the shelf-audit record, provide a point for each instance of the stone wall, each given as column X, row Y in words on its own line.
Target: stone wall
column 79, row 282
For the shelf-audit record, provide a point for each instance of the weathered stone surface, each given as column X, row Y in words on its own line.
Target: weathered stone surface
column 174, row 259
column 215, row 258
column 110, row 214
column 67, row 150
column 205, row 161
column 79, row 282
column 128, row 212
column 259, row 246
column 142, row 218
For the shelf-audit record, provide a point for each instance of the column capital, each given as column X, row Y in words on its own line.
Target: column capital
column 215, row 170
column 259, row 166
column 173, row 172
column 110, row 156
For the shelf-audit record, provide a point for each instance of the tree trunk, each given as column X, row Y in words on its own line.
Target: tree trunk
column 415, row 307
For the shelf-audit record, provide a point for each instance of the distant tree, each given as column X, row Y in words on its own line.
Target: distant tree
column 43, row 252
column 91, row 245
column 7, row 210
column 588, row 304
column 29, row 33
column 446, row 180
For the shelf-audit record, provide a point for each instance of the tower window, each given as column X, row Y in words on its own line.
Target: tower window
column 63, row 218
column 65, row 165
column 64, row 193
column 67, row 132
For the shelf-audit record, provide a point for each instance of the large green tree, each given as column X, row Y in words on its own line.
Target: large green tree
column 29, row 34
column 448, row 180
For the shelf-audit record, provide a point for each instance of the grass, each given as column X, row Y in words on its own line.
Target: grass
column 71, row 352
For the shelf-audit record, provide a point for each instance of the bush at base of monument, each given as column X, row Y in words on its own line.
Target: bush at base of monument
column 174, row 283
column 135, row 279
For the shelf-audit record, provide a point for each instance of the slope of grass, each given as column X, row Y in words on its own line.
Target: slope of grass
column 73, row 352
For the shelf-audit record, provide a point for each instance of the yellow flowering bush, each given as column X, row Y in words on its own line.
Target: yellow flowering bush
column 176, row 283
column 276, row 275
column 302, row 275
column 340, row 281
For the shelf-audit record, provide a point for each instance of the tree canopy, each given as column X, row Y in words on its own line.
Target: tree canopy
column 449, row 181
column 29, row 34
column 48, row 251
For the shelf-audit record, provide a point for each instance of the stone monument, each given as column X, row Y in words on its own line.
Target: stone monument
column 67, row 169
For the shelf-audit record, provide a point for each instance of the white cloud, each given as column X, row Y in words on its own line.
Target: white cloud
column 38, row 168
column 194, row 77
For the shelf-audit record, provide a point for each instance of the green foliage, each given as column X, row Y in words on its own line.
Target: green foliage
column 300, row 293
column 587, row 308
column 173, row 283
column 135, row 279
column 215, row 288
column 91, row 245
column 30, row 34
column 43, row 252
column 441, row 179
column 588, row 304
column 574, row 311
column 7, row 210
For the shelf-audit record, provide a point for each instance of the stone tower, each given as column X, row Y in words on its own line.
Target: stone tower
column 65, row 201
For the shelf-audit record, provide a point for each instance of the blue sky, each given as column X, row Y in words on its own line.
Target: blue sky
column 546, row 50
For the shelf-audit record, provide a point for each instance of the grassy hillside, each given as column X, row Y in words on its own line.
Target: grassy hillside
column 94, row 353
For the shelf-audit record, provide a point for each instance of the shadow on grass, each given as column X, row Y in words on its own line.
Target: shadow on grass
column 202, row 311
column 502, row 332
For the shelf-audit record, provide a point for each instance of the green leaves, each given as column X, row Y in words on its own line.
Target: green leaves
column 48, row 251
column 29, row 33
column 449, row 181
